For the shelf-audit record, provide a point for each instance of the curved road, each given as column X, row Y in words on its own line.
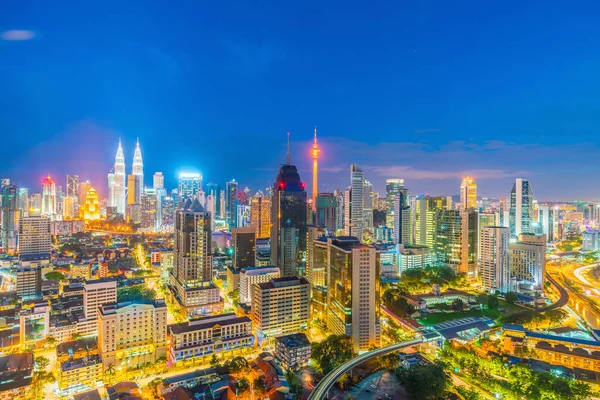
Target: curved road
column 564, row 296
column 320, row 391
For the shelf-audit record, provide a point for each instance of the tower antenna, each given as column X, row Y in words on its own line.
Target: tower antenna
column 287, row 157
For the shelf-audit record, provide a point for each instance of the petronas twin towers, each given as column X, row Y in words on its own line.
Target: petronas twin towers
column 117, row 180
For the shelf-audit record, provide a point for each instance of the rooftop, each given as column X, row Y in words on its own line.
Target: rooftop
column 207, row 322
column 293, row 340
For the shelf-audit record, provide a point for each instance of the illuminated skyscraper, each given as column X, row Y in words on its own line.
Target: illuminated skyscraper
column 468, row 193
column 119, row 182
column 288, row 220
column 260, row 215
column 134, row 190
column 8, row 216
column 354, row 223
column 148, row 220
column 23, row 201
column 188, row 186
column 521, row 208
column 91, row 207
column 158, row 181
column 325, row 215
column 392, row 188
column 191, row 278
column 231, row 203
column 48, row 197
column 110, row 201
column 315, row 152
column 137, row 169
column 214, row 190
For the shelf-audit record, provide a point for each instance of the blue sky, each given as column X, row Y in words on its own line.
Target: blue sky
column 428, row 91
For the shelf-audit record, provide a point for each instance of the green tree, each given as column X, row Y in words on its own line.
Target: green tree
column 492, row 302
column 457, row 304
column 423, row 381
column 135, row 293
column 259, row 386
column 238, row 364
column 556, row 316
column 214, row 361
column 468, row 394
column 332, row 352
column 54, row 276
column 482, row 299
column 511, row 297
column 234, row 297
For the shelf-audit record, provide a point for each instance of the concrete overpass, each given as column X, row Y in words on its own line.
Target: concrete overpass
column 320, row 391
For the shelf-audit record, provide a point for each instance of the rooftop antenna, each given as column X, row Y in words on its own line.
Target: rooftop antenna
column 287, row 157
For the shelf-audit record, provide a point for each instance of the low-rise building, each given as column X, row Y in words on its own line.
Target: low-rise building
column 293, row 351
column 16, row 372
column 209, row 335
column 424, row 301
column 81, row 271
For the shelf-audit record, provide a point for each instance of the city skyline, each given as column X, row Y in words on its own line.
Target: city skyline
column 398, row 99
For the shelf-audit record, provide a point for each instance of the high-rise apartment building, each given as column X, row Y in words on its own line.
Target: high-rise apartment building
column 231, row 203
column 485, row 220
column 48, row 197
column 494, row 267
column 251, row 275
column 167, row 213
column 132, row 334
column 353, row 295
column 35, row 240
column 280, row 306
column 191, row 278
column 244, row 247
column 188, row 186
column 288, row 221
column 521, row 208
column 8, row 218
column 468, row 193
column 158, row 181
column 528, row 262
column 393, row 187
column 260, row 215
column 29, row 283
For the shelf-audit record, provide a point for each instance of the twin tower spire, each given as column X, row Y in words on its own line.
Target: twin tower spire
column 117, row 180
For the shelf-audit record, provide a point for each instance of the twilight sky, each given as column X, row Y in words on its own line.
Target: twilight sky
column 424, row 90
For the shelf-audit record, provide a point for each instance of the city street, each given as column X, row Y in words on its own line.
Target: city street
column 376, row 386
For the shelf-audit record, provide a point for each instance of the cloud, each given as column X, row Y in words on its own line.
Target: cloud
column 18, row 35
column 426, row 130
column 413, row 173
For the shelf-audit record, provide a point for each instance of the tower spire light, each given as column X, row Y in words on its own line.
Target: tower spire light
column 315, row 152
